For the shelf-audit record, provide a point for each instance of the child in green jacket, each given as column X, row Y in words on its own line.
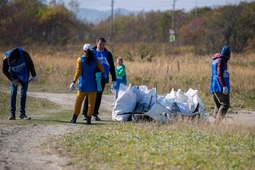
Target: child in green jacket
column 120, row 76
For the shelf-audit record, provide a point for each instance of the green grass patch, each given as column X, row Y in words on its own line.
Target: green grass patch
column 152, row 146
column 42, row 111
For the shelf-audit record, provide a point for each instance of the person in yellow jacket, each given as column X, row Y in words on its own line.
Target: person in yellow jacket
column 88, row 68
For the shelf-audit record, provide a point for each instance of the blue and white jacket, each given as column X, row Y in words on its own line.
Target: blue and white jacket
column 17, row 64
column 106, row 59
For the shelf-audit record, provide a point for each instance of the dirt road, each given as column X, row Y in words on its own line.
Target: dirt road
column 23, row 147
column 67, row 100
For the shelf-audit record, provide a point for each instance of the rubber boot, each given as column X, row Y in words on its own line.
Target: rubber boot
column 88, row 120
column 73, row 120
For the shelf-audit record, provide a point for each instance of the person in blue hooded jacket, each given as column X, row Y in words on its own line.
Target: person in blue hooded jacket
column 87, row 66
column 17, row 64
column 106, row 59
column 220, row 83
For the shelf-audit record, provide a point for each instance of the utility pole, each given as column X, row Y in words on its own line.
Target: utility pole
column 196, row 11
column 173, row 15
column 111, row 22
column 172, row 29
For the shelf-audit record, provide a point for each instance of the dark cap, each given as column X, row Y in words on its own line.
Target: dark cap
column 226, row 51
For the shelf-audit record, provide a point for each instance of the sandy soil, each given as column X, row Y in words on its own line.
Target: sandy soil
column 23, row 147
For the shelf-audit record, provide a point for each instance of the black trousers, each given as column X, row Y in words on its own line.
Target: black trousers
column 98, row 101
column 222, row 104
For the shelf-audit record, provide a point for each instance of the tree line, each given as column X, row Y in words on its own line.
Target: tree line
column 34, row 22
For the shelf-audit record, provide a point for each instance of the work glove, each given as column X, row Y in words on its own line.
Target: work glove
column 72, row 87
column 34, row 78
column 112, row 86
column 98, row 81
column 225, row 90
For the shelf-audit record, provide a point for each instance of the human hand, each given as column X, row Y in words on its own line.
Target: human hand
column 225, row 90
column 72, row 87
column 16, row 82
column 34, row 78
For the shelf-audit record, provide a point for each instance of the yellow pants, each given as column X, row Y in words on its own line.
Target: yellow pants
column 91, row 102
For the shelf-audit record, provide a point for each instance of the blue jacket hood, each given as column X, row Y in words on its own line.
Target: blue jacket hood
column 226, row 51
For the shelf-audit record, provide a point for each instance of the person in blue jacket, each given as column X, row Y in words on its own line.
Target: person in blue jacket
column 106, row 59
column 17, row 64
column 220, row 83
column 87, row 67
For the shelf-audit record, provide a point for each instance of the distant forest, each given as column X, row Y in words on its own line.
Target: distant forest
column 24, row 22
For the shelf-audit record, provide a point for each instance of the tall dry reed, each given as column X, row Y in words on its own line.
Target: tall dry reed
column 181, row 71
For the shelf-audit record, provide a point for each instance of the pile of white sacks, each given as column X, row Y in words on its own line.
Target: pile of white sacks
column 140, row 99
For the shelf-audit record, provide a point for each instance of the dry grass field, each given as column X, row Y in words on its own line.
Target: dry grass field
column 161, row 66
column 57, row 144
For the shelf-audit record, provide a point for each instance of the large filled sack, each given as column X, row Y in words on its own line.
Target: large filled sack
column 140, row 99
column 125, row 104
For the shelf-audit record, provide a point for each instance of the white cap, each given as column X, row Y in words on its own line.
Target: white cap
column 86, row 47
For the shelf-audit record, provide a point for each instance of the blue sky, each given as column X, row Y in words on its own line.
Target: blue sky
column 147, row 5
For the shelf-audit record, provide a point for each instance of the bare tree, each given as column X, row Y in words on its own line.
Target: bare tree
column 3, row 3
column 74, row 6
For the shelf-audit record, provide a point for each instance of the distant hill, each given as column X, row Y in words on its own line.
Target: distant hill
column 95, row 16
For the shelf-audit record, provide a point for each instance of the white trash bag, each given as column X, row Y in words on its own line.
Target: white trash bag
column 160, row 114
column 124, row 105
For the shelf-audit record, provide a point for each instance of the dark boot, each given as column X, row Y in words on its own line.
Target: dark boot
column 84, row 117
column 73, row 120
column 96, row 118
column 12, row 117
column 88, row 120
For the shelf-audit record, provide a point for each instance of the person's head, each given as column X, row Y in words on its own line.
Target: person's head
column 226, row 51
column 13, row 55
column 87, row 47
column 88, row 53
column 100, row 44
column 119, row 61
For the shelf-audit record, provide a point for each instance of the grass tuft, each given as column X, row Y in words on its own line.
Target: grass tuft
column 154, row 146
